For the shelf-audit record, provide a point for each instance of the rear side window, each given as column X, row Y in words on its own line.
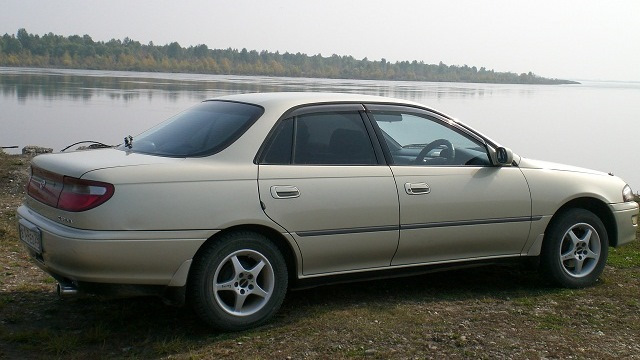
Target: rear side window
column 204, row 129
column 331, row 138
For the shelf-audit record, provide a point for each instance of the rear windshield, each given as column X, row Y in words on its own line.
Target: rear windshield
column 204, row 129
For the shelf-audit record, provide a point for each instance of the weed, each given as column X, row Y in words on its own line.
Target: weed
column 170, row 346
column 62, row 343
column 552, row 322
column 97, row 334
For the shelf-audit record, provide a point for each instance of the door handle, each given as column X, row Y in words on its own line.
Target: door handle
column 417, row 188
column 284, row 192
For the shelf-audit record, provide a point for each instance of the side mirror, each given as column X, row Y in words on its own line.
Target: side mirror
column 504, row 156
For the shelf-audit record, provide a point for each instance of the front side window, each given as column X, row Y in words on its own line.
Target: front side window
column 421, row 140
column 332, row 138
column 204, row 129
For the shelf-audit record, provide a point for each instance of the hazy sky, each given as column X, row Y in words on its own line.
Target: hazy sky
column 584, row 39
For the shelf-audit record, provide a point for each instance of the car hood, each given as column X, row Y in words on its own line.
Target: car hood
column 538, row 164
column 78, row 163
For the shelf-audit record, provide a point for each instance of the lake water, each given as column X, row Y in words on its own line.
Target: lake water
column 591, row 125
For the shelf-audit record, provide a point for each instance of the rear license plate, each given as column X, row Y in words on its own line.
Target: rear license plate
column 30, row 235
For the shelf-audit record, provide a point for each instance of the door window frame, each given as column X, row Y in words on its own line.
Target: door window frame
column 381, row 149
column 430, row 115
column 292, row 114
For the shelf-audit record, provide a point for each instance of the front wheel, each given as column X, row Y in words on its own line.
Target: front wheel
column 575, row 249
column 239, row 281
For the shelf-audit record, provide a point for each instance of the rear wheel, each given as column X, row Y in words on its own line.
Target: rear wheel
column 238, row 281
column 575, row 249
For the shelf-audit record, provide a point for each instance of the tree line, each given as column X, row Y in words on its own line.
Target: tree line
column 82, row 52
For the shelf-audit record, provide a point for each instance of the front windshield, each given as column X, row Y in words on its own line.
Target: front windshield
column 204, row 129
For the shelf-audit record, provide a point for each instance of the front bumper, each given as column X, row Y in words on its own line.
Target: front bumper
column 626, row 217
column 114, row 257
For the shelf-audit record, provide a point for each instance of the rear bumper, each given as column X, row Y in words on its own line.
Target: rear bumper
column 626, row 217
column 114, row 257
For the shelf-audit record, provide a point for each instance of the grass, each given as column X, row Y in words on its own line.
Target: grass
column 484, row 313
column 625, row 256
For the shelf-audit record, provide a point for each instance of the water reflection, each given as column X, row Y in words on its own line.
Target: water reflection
column 83, row 85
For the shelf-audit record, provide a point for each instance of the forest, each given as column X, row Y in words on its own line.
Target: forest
column 82, row 52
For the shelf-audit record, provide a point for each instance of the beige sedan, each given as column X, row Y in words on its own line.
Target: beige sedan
column 239, row 198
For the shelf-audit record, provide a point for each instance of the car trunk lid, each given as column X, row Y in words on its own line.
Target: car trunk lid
column 76, row 164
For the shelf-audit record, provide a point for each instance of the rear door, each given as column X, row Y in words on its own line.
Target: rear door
column 324, row 181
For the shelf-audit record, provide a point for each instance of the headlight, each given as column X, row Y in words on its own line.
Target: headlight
column 627, row 194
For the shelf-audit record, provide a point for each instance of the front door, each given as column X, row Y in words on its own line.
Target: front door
column 454, row 203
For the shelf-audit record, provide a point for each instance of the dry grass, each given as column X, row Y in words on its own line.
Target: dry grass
column 492, row 312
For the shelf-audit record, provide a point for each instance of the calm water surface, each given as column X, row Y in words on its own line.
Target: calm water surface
column 589, row 125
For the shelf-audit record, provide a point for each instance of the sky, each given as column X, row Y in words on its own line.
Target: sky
column 567, row 39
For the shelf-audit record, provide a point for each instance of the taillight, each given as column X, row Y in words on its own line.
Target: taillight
column 67, row 193
column 44, row 186
column 81, row 195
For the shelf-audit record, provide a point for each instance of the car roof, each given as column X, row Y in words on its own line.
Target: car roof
column 292, row 99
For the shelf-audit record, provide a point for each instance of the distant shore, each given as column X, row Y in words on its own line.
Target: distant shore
column 81, row 52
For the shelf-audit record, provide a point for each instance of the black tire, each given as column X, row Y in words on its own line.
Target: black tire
column 238, row 281
column 575, row 249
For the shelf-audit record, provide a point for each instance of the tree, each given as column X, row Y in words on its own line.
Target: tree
column 174, row 50
column 24, row 38
column 11, row 45
column 201, row 51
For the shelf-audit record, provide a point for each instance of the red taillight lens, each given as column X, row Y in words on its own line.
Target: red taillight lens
column 80, row 195
column 67, row 193
column 44, row 186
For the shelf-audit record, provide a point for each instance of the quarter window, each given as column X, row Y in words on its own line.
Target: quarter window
column 278, row 150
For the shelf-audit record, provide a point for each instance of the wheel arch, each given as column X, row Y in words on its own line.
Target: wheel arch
column 283, row 245
column 598, row 208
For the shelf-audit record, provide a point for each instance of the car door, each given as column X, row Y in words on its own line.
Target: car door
column 324, row 181
column 454, row 204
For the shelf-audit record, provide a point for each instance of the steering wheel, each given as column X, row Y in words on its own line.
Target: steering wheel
column 449, row 154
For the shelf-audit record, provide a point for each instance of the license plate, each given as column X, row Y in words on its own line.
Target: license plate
column 30, row 235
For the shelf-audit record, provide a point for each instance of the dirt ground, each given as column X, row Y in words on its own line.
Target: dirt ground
column 496, row 312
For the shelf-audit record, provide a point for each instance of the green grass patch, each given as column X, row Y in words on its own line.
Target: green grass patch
column 526, row 301
column 626, row 256
column 552, row 322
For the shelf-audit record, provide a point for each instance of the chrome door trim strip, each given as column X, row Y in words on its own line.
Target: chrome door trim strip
column 469, row 222
column 347, row 231
column 416, row 226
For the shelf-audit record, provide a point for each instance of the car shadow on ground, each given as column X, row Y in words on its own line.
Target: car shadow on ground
column 32, row 319
column 496, row 281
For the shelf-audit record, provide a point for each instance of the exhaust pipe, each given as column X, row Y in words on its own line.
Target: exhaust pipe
column 66, row 290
